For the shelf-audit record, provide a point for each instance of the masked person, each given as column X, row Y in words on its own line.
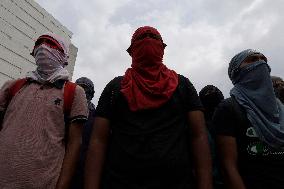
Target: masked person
column 43, row 115
column 147, row 122
column 210, row 97
column 278, row 85
column 88, row 86
column 250, row 126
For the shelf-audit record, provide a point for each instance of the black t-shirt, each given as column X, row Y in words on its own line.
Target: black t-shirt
column 148, row 148
column 260, row 166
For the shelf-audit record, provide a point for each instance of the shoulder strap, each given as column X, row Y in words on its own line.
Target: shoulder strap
column 68, row 96
column 17, row 86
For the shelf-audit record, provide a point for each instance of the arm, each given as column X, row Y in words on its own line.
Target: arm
column 71, row 155
column 4, row 99
column 1, row 118
column 200, row 150
column 96, row 153
column 227, row 150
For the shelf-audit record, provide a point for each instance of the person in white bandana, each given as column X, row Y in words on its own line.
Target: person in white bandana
column 41, row 118
column 51, row 59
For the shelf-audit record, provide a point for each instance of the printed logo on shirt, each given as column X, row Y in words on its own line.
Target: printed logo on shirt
column 57, row 101
column 257, row 148
column 251, row 133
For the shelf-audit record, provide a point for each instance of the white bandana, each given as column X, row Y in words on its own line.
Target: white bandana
column 50, row 64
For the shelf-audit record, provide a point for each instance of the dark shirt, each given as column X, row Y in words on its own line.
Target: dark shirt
column 148, row 148
column 260, row 166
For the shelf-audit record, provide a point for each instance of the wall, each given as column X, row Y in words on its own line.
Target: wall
column 21, row 22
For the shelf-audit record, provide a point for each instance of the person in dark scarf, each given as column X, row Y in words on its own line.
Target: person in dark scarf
column 278, row 85
column 88, row 86
column 89, row 89
column 147, row 121
column 210, row 97
column 250, row 126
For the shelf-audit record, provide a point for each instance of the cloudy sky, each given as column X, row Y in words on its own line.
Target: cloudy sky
column 202, row 35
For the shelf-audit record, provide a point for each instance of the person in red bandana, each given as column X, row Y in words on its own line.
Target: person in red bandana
column 150, row 130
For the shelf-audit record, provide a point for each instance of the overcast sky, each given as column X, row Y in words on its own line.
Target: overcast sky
column 202, row 35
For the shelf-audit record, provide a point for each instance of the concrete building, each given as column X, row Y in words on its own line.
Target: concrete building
column 21, row 22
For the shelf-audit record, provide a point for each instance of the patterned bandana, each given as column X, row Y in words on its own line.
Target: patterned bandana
column 50, row 61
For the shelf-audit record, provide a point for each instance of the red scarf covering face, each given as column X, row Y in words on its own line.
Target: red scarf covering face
column 148, row 83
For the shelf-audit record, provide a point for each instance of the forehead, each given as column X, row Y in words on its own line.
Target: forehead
column 145, row 29
column 49, row 39
column 257, row 55
column 63, row 43
column 252, row 57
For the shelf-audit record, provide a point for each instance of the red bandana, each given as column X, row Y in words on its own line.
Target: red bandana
column 148, row 83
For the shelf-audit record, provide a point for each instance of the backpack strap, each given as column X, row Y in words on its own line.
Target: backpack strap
column 68, row 96
column 11, row 93
column 16, row 87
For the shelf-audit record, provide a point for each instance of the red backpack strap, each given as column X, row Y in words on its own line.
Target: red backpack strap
column 69, row 93
column 16, row 87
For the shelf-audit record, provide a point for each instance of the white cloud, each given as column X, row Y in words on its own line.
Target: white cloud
column 202, row 35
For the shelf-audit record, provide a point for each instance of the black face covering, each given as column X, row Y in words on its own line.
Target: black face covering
column 210, row 97
column 211, row 100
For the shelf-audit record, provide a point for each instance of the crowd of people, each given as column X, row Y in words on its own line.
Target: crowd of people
column 150, row 129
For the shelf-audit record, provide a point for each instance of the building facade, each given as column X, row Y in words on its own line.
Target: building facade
column 21, row 22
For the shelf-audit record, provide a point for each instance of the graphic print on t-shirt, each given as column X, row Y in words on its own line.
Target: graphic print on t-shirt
column 256, row 147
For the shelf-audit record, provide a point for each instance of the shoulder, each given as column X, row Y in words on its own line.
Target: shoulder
column 229, row 108
column 115, row 81
column 186, row 86
column 226, row 103
column 72, row 87
column 229, row 105
column 114, row 84
column 8, row 84
column 184, row 81
column 182, row 78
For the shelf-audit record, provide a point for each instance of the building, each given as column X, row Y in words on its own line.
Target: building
column 21, row 22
